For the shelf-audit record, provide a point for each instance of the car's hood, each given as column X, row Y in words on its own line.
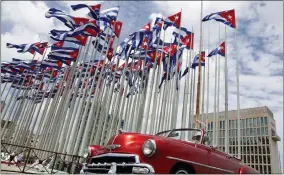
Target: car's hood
column 133, row 142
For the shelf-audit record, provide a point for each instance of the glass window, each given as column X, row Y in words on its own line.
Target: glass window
column 258, row 131
column 247, row 122
column 266, row 131
column 250, row 131
column 265, row 120
column 254, row 122
column 247, row 133
column 251, row 122
column 258, row 121
column 262, row 131
column 261, row 121
column 209, row 126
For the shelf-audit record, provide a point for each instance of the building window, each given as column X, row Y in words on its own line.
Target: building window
column 269, row 169
column 247, row 122
column 254, row 122
column 221, row 124
column 250, row 122
column 265, row 121
column 258, row 121
column 266, row 131
column 265, row 169
column 261, row 119
column 262, row 131
column 258, row 131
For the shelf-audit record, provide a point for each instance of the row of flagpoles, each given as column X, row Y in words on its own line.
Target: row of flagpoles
column 87, row 85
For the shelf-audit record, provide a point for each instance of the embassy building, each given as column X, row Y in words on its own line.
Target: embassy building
column 258, row 138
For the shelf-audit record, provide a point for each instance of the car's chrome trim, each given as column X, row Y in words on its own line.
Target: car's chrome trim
column 113, row 167
column 118, row 155
column 212, row 167
column 111, row 147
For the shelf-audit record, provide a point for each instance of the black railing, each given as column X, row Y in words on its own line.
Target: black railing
column 51, row 161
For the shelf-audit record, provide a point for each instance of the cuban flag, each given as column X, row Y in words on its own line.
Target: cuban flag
column 195, row 60
column 40, row 47
column 62, row 54
column 32, row 48
column 69, row 21
column 60, row 37
column 51, row 63
column 110, row 13
column 226, row 17
column 219, row 50
column 94, row 9
column 173, row 20
column 186, row 38
column 89, row 29
column 22, row 47
column 116, row 27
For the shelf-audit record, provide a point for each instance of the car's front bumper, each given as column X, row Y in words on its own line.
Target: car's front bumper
column 118, row 166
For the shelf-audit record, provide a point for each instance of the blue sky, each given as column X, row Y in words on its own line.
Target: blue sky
column 260, row 41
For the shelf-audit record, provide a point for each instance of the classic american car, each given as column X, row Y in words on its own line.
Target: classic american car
column 176, row 151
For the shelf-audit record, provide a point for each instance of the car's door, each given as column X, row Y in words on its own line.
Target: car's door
column 220, row 163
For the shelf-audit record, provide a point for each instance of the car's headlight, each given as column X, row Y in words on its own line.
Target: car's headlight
column 149, row 148
column 87, row 152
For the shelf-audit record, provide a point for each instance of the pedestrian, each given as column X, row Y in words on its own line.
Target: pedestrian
column 19, row 159
column 12, row 157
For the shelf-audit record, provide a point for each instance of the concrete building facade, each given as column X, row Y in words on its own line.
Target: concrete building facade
column 258, row 137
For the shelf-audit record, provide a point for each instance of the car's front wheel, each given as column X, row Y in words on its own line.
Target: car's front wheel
column 182, row 171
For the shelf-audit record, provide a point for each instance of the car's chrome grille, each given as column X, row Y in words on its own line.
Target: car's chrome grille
column 102, row 163
column 117, row 158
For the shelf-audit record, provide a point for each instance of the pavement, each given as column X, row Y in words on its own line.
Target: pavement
column 13, row 169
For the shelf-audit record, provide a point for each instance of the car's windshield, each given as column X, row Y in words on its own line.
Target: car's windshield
column 190, row 135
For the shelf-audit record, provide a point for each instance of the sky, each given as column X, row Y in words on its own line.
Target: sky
column 259, row 41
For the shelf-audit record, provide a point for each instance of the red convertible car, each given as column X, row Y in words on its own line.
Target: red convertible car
column 177, row 151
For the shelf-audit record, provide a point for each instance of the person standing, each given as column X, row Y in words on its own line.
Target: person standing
column 12, row 157
column 19, row 159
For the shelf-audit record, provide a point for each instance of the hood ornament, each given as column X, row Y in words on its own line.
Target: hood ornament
column 111, row 147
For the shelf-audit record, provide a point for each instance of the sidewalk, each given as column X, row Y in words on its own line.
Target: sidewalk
column 13, row 169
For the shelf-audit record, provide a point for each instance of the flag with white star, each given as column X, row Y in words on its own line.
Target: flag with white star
column 226, row 17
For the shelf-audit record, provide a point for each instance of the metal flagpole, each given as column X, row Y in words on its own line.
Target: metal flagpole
column 199, row 73
column 218, row 95
column 226, row 97
column 238, row 95
column 208, row 63
column 193, row 96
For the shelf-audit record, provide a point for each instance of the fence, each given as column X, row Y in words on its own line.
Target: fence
column 50, row 162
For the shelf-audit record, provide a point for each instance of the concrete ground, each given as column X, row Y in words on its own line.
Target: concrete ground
column 13, row 169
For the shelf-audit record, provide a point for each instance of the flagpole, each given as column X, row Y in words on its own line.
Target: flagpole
column 218, row 92
column 208, row 69
column 226, row 97
column 185, row 95
column 238, row 95
column 199, row 71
